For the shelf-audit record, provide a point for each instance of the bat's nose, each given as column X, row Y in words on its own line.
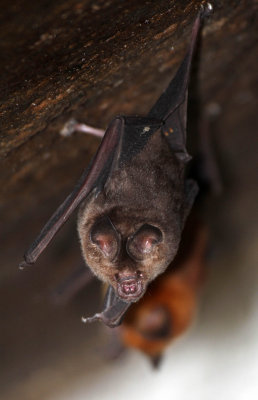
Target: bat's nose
column 129, row 287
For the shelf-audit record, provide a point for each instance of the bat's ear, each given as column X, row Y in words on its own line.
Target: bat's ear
column 106, row 237
column 143, row 241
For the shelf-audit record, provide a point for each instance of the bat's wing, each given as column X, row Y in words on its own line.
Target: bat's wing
column 124, row 138
column 171, row 107
column 93, row 177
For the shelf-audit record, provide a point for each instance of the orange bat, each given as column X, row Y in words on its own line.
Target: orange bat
column 169, row 305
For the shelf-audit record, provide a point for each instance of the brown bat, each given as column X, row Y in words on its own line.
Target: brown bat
column 134, row 197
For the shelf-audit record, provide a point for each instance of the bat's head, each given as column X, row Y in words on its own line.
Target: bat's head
column 125, row 255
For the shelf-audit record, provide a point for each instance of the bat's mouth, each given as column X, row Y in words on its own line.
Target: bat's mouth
column 130, row 288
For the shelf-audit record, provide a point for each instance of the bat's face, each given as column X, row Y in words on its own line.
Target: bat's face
column 126, row 256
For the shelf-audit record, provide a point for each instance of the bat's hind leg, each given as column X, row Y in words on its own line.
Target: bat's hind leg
column 73, row 126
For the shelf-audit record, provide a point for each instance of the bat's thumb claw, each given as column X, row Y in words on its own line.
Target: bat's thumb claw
column 23, row 265
column 96, row 317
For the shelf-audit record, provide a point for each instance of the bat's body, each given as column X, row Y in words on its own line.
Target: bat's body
column 149, row 191
column 169, row 305
column 134, row 198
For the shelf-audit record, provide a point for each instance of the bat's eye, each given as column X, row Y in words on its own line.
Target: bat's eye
column 106, row 237
column 141, row 244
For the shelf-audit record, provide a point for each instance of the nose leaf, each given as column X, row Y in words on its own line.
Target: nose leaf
column 129, row 287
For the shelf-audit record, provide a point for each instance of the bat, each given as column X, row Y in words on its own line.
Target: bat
column 134, row 198
column 169, row 304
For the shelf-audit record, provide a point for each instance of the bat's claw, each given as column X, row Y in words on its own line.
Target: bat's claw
column 206, row 9
column 69, row 128
column 88, row 320
column 103, row 318
column 23, row 265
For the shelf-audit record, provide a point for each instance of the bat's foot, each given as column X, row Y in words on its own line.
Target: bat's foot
column 206, row 9
column 69, row 128
column 73, row 126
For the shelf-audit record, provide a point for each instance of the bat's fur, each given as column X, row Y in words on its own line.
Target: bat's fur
column 148, row 190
